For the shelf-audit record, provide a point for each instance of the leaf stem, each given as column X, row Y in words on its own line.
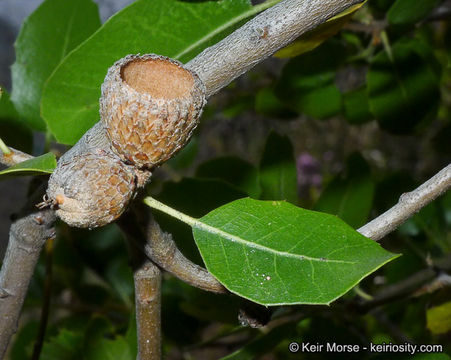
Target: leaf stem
column 155, row 204
column 5, row 150
column 387, row 46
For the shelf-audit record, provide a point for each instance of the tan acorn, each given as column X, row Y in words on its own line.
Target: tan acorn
column 90, row 190
column 150, row 106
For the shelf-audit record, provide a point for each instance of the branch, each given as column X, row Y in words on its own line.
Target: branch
column 261, row 37
column 26, row 238
column 409, row 204
column 13, row 157
column 148, row 311
column 162, row 250
column 138, row 224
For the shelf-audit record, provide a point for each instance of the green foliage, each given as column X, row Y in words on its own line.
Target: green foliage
column 12, row 130
column 277, row 170
column 403, row 13
column 39, row 51
column 350, row 197
column 403, row 87
column 274, row 253
column 308, row 80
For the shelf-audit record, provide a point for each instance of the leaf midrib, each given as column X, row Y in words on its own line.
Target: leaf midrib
column 198, row 224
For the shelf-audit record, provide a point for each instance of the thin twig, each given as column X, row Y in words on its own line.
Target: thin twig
column 13, row 157
column 26, row 238
column 409, row 204
column 409, row 286
column 148, row 311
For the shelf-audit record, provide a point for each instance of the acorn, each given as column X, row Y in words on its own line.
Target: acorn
column 91, row 189
column 150, row 106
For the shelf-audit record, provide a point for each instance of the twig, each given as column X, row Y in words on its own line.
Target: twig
column 13, row 157
column 414, row 285
column 261, row 37
column 409, row 203
column 138, row 225
column 148, row 311
column 162, row 249
column 27, row 236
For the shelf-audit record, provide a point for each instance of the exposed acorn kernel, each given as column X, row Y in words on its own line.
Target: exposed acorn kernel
column 150, row 106
column 91, row 190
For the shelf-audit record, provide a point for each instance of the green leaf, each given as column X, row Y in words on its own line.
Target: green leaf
column 46, row 37
column 106, row 349
column 12, row 131
column 350, row 197
column 266, row 103
column 67, row 345
column 439, row 318
column 357, row 107
column 234, row 171
column 40, row 165
column 275, row 253
column 178, row 29
column 403, row 93
column 278, row 176
column 405, row 12
column 307, row 82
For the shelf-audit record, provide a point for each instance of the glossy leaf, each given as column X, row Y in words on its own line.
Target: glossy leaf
column 274, row 253
column 278, row 175
column 46, row 37
column 350, row 197
column 403, row 92
column 71, row 98
column 405, row 12
column 234, row 171
column 13, row 131
column 40, row 165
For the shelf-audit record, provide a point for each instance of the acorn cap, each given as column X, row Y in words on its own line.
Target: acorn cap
column 150, row 106
column 90, row 190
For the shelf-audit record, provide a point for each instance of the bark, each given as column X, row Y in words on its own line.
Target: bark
column 27, row 237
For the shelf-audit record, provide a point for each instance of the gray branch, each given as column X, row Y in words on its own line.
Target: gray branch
column 261, row 37
column 409, row 204
column 26, row 238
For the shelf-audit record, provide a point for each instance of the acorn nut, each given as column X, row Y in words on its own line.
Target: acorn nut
column 150, row 106
column 90, row 190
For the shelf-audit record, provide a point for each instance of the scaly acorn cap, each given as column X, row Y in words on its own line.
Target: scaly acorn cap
column 91, row 189
column 150, row 106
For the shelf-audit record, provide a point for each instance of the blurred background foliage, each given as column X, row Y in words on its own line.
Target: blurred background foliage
column 345, row 128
